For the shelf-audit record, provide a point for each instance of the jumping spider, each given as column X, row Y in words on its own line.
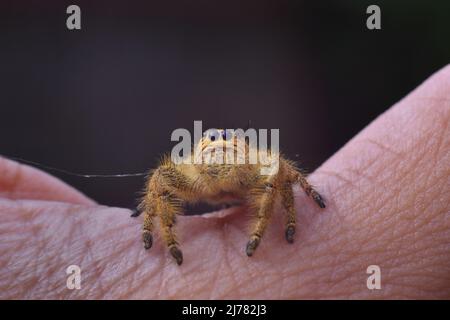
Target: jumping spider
column 171, row 185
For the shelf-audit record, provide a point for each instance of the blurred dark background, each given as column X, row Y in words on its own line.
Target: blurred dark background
column 105, row 99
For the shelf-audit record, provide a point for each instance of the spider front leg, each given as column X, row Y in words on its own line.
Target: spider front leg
column 167, row 207
column 162, row 200
column 147, row 229
column 287, row 198
column 309, row 190
column 264, row 203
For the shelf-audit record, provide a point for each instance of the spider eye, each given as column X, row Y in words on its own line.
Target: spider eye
column 212, row 134
column 227, row 135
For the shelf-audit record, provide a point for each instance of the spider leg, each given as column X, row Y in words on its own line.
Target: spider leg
column 309, row 190
column 167, row 208
column 147, row 208
column 135, row 213
column 287, row 196
column 147, row 229
column 264, row 203
column 164, row 201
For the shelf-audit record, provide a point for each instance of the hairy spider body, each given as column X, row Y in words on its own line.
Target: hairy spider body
column 172, row 185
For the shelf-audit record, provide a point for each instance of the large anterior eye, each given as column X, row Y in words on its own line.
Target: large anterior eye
column 213, row 134
column 227, row 135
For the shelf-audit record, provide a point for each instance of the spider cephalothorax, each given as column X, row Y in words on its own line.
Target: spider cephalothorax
column 217, row 181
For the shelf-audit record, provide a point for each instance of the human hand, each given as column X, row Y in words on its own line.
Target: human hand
column 387, row 193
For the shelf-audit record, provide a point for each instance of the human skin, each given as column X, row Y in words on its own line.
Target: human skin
column 388, row 204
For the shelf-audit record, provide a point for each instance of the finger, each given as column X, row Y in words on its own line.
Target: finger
column 19, row 181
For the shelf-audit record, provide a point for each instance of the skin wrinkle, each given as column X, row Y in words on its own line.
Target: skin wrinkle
column 114, row 285
column 417, row 291
column 398, row 261
column 230, row 284
column 233, row 270
column 199, row 284
column 382, row 201
column 44, row 259
column 29, row 264
column 227, row 268
column 137, row 276
column 161, row 283
column 392, row 240
column 405, row 265
column 114, row 282
column 9, row 230
column 97, row 269
column 426, row 163
column 440, row 143
column 246, row 279
column 82, row 251
column 49, row 263
column 234, row 287
column 214, row 284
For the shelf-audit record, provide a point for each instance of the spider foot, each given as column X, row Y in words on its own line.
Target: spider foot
column 148, row 239
column 290, row 231
column 319, row 200
column 135, row 213
column 252, row 245
column 176, row 253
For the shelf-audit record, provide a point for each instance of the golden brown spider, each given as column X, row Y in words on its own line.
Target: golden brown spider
column 171, row 185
